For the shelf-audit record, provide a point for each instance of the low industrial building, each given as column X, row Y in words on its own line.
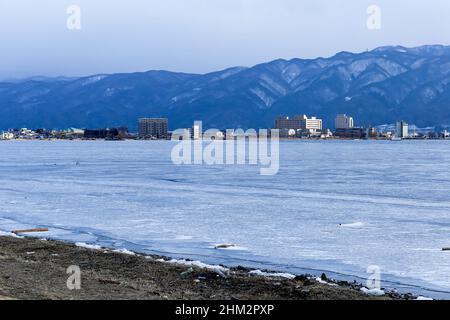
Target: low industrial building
column 353, row 133
column 108, row 133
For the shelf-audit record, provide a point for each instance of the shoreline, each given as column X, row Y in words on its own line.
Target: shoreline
column 207, row 140
column 32, row 268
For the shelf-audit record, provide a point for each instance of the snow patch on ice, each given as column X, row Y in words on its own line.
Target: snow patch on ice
column 353, row 225
column 183, row 237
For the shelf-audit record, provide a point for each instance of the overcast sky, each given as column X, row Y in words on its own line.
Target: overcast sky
column 201, row 35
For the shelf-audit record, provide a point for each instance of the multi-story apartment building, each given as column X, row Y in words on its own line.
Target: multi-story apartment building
column 286, row 123
column 303, row 123
column 153, row 128
column 343, row 121
column 313, row 125
column 402, row 129
column 196, row 131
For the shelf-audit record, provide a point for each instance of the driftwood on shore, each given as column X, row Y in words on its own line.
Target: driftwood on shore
column 30, row 230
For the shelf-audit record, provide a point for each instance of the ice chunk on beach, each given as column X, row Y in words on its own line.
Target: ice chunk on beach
column 319, row 280
column 373, row 292
column 271, row 275
column 420, row 298
column 125, row 251
column 9, row 234
column 88, row 246
column 197, row 264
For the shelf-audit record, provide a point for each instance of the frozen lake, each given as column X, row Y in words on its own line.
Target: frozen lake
column 335, row 206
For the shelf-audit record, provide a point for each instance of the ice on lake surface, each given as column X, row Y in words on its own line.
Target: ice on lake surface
column 335, row 206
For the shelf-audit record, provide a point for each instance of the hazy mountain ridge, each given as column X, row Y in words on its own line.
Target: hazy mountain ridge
column 379, row 86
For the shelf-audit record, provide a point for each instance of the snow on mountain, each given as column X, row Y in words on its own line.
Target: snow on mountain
column 266, row 99
column 93, row 79
column 385, row 84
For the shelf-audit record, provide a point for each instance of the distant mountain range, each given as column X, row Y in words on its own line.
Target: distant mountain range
column 375, row 87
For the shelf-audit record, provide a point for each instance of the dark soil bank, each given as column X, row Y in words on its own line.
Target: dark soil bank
column 37, row 269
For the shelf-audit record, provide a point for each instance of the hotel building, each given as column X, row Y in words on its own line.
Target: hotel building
column 303, row 123
column 153, row 128
column 402, row 129
column 343, row 121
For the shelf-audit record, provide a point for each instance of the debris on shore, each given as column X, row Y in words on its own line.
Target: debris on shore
column 107, row 274
column 30, row 230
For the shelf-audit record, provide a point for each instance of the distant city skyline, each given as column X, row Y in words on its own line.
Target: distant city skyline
column 197, row 36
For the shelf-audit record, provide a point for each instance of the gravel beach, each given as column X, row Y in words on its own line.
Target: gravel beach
column 37, row 269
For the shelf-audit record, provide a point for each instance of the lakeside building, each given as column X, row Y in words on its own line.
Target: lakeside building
column 402, row 130
column 286, row 123
column 343, row 121
column 326, row 134
column 108, row 133
column 153, row 128
column 69, row 134
column 313, row 124
column 299, row 126
column 26, row 134
column 352, row 133
column 6, row 136
column 74, row 133
column 372, row 132
column 196, row 131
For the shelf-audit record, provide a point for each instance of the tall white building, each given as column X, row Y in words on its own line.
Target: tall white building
column 344, row 122
column 312, row 124
column 196, row 131
column 402, row 129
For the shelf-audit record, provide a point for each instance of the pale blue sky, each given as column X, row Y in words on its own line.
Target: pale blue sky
column 201, row 35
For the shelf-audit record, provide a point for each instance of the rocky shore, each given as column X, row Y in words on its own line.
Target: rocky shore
column 37, row 269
